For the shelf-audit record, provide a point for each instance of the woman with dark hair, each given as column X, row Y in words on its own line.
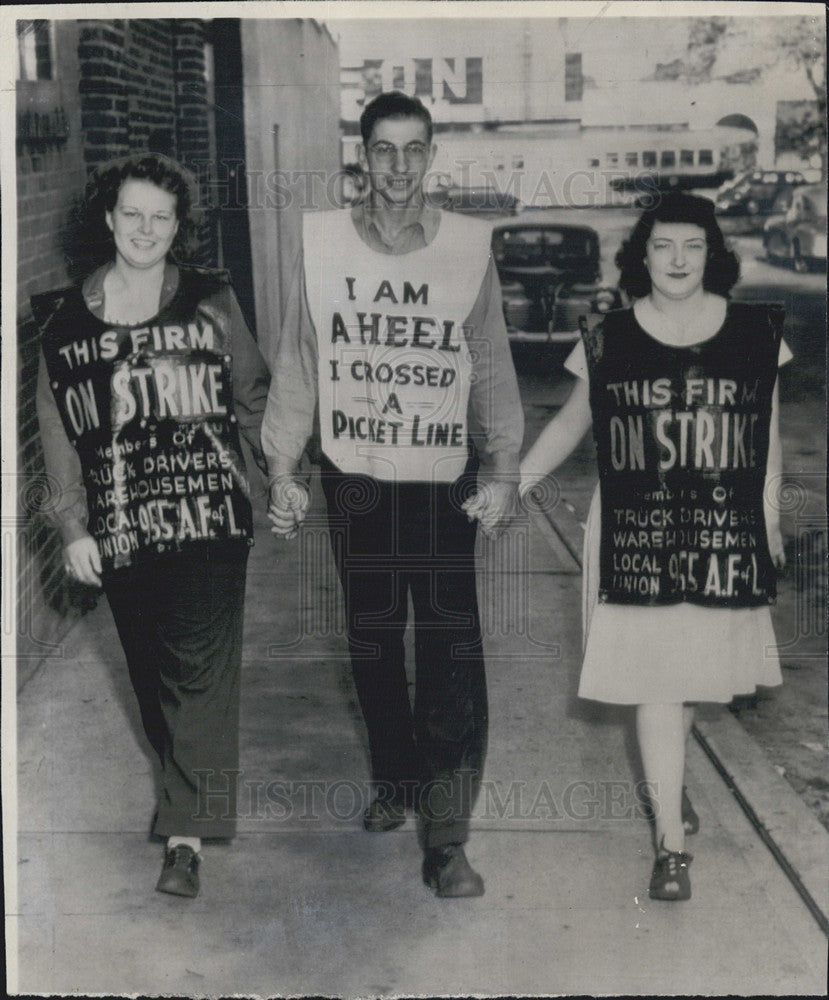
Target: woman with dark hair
column 722, row 266
column 148, row 373
column 682, row 538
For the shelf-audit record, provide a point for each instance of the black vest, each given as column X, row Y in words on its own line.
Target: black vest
column 682, row 436
column 149, row 410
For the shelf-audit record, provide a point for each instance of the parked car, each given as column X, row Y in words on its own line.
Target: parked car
column 550, row 276
column 754, row 192
column 799, row 235
column 485, row 202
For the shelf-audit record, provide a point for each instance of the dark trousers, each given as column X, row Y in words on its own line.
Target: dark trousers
column 179, row 619
column 392, row 540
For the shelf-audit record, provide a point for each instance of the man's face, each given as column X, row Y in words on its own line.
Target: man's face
column 397, row 157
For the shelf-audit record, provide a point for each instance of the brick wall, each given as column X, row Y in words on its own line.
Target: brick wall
column 143, row 87
column 123, row 86
column 194, row 128
column 50, row 174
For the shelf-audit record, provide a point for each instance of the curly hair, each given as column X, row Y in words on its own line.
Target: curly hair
column 722, row 266
column 393, row 104
column 88, row 242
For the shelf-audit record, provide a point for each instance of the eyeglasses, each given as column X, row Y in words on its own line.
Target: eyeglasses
column 413, row 152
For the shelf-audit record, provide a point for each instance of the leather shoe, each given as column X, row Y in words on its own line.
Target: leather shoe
column 383, row 815
column 449, row 874
column 180, row 872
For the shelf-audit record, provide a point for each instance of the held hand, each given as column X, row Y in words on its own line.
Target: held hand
column 776, row 547
column 288, row 505
column 82, row 561
column 475, row 505
column 494, row 505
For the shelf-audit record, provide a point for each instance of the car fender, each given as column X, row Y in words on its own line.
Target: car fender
column 774, row 222
column 809, row 241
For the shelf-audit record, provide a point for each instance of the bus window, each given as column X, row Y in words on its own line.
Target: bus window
column 668, row 158
column 686, row 157
column 649, row 158
column 706, row 158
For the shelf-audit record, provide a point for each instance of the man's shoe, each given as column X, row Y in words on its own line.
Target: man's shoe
column 180, row 872
column 383, row 815
column 449, row 874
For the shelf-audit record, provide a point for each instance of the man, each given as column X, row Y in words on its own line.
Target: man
column 394, row 330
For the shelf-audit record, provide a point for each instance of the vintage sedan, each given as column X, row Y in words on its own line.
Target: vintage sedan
column 550, row 276
column 754, row 192
column 799, row 236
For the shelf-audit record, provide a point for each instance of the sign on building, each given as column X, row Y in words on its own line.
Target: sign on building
column 453, row 80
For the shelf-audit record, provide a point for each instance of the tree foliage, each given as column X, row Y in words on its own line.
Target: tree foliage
column 795, row 43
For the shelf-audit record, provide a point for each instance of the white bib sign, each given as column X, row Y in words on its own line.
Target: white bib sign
column 394, row 366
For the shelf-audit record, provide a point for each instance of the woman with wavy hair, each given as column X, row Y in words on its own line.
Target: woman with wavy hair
column 683, row 539
column 148, row 373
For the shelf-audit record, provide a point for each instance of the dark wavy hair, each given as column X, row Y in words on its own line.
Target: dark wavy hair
column 722, row 267
column 393, row 104
column 88, row 241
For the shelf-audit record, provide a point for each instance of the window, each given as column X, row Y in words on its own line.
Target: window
column 612, row 159
column 668, row 158
column 518, row 162
column 686, row 157
column 573, row 78
column 706, row 158
column 631, row 159
column 649, row 158
column 34, row 47
column 593, row 161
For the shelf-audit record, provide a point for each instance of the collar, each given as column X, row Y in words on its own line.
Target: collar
column 365, row 217
column 93, row 287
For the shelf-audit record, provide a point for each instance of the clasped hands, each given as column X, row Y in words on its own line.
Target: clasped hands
column 494, row 504
column 288, row 501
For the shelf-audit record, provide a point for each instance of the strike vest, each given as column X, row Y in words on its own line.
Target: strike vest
column 682, row 438
column 394, row 366
column 149, row 410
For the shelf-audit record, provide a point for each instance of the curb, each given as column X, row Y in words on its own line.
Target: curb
column 793, row 834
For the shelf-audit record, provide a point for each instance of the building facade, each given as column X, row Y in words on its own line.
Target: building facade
column 534, row 103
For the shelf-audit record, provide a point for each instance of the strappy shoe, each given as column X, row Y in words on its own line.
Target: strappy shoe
column 690, row 820
column 669, row 878
column 180, row 872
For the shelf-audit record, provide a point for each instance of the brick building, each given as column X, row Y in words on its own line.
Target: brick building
column 91, row 90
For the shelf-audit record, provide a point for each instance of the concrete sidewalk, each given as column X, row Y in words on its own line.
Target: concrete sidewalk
column 304, row 902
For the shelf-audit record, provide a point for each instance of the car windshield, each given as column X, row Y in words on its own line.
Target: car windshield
column 533, row 237
column 539, row 245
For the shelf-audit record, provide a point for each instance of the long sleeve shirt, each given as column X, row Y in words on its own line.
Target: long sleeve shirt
column 70, row 514
column 496, row 418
